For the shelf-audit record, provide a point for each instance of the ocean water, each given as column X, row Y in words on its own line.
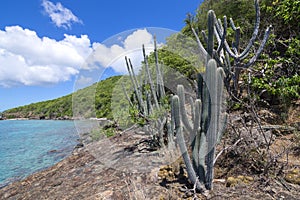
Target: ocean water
column 27, row 146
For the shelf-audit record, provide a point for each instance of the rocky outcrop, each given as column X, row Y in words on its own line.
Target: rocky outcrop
column 127, row 167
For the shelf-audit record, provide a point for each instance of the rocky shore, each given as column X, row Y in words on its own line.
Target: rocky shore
column 126, row 166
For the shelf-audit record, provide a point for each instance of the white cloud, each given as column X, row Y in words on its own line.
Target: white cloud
column 28, row 59
column 84, row 81
column 60, row 16
column 114, row 55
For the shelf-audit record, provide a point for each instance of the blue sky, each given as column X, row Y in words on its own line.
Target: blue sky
column 45, row 43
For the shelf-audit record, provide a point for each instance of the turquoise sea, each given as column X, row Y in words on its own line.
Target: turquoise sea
column 27, row 146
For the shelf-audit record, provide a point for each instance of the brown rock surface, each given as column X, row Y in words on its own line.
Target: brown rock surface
column 127, row 167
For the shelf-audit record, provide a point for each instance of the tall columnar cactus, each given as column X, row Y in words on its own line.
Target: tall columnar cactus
column 205, row 126
column 149, row 100
column 224, row 52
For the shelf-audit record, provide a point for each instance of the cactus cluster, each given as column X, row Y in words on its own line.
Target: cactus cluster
column 224, row 52
column 147, row 99
column 205, row 126
column 149, row 95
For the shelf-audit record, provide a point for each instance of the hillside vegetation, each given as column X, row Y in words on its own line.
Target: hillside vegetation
column 61, row 108
column 278, row 84
column 258, row 153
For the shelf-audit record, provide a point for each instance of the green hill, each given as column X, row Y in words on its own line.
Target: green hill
column 274, row 79
column 61, row 108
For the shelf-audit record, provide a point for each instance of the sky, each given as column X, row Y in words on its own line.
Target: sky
column 48, row 47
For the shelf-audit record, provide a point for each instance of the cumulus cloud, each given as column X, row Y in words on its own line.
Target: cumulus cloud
column 113, row 56
column 60, row 16
column 27, row 59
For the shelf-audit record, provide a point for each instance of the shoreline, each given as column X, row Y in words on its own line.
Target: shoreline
column 55, row 154
column 64, row 118
column 16, row 179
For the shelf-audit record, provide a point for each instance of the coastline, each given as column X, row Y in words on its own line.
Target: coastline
column 30, row 146
column 125, row 171
column 12, row 180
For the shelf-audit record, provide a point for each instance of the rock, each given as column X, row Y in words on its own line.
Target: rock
column 79, row 145
column 293, row 176
column 52, row 151
column 231, row 181
column 166, row 173
column 234, row 181
column 106, row 195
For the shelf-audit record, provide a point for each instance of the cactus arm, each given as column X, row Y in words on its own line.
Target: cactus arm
column 228, row 64
column 197, row 118
column 232, row 24
column 196, row 141
column 237, row 31
column 159, row 78
column 148, row 103
column 200, row 46
column 192, row 108
column 133, row 74
column 212, row 130
column 185, row 120
column 181, row 142
column 203, row 94
column 210, row 39
column 255, row 31
column 136, row 89
column 172, row 116
column 150, row 79
column 204, row 36
column 170, row 136
column 161, row 122
column 222, row 39
column 230, row 52
column 222, row 121
column 236, row 44
column 220, row 86
column 201, row 170
column 262, row 45
column 126, row 95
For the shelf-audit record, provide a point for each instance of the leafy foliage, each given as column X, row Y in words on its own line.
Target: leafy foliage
column 280, row 78
column 275, row 77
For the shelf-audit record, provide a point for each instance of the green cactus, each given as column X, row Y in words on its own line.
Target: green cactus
column 204, row 126
column 149, row 101
column 207, row 124
column 223, row 52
